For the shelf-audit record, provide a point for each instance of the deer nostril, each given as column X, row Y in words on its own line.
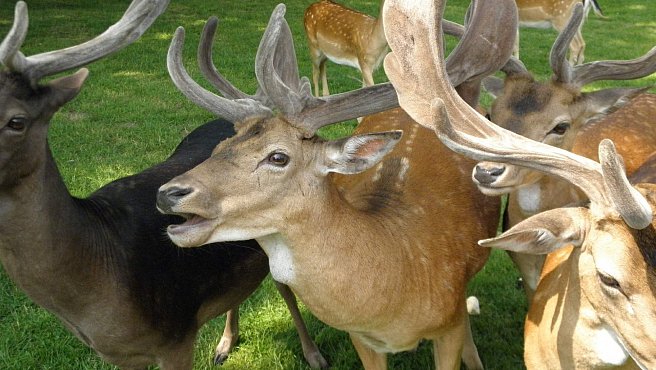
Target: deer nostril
column 487, row 175
column 167, row 198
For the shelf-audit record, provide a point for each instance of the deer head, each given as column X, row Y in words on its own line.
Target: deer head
column 28, row 106
column 275, row 150
column 614, row 234
column 554, row 112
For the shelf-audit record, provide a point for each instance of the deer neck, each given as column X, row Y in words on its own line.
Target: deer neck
column 334, row 245
column 41, row 235
column 547, row 193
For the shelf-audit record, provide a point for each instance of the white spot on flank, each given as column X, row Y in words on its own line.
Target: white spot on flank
column 379, row 168
column 281, row 259
column 529, row 198
column 405, row 166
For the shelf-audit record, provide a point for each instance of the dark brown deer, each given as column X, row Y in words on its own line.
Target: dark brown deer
column 558, row 113
column 103, row 264
column 598, row 309
column 378, row 247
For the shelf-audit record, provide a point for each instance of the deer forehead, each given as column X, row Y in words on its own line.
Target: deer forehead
column 259, row 135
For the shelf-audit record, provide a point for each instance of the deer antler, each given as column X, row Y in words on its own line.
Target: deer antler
column 135, row 21
column 601, row 70
column 486, row 44
column 233, row 110
column 277, row 73
column 212, row 75
column 417, row 53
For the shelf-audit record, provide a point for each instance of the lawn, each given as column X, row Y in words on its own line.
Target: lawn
column 130, row 116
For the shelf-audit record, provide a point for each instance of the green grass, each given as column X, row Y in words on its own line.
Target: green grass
column 130, row 116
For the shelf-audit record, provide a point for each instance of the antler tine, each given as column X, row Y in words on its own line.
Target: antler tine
column 135, row 21
column 211, row 74
column 277, row 72
column 487, row 42
column 234, row 111
column 275, row 65
column 10, row 54
column 206, row 64
column 320, row 112
column 416, row 68
column 484, row 48
column 558, row 57
column 633, row 207
column 616, row 69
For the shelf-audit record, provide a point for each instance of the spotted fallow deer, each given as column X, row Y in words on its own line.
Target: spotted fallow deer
column 345, row 36
column 361, row 239
column 597, row 308
column 558, row 113
column 556, row 14
column 103, row 265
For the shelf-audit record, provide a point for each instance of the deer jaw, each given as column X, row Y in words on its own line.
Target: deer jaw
column 267, row 159
column 238, row 212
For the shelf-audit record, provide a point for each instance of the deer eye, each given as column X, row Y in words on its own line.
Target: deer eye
column 17, row 123
column 609, row 281
column 560, row 128
column 278, row 159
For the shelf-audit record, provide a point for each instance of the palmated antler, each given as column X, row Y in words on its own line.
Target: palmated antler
column 280, row 89
column 414, row 34
column 595, row 71
column 135, row 21
column 487, row 42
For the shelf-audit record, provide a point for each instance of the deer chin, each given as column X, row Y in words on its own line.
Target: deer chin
column 492, row 190
column 194, row 232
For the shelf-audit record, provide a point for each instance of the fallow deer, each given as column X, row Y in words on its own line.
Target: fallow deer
column 345, row 36
column 556, row 14
column 103, row 264
column 362, row 240
column 554, row 112
column 597, row 308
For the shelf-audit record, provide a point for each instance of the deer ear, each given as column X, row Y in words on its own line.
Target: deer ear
column 544, row 232
column 66, row 88
column 358, row 153
column 604, row 102
column 493, row 85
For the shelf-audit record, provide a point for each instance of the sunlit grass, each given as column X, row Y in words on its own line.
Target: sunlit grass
column 130, row 116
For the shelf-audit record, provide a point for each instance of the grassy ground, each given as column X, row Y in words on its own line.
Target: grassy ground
column 129, row 116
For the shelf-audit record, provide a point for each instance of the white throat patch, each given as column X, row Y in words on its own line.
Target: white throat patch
column 281, row 261
column 528, row 198
column 608, row 347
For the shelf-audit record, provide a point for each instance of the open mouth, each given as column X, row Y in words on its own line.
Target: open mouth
column 192, row 221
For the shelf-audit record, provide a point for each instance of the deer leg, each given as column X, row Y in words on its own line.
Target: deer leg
column 310, row 351
column 469, row 351
column 371, row 360
column 515, row 52
column 367, row 74
column 229, row 337
column 181, row 357
column 324, row 78
column 448, row 348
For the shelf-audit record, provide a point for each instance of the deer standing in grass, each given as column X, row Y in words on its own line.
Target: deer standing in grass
column 373, row 232
column 344, row 36
column 596, row 308
column 558, row 113
column 103, row 264
column 556, row 14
